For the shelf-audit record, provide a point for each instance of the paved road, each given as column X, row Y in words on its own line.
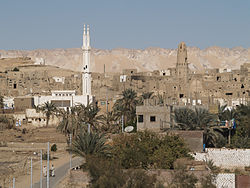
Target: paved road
column 59, row 173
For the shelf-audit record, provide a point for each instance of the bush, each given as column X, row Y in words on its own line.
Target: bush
column 148, row 150
column 108, row 173
column 182, row 179
column 6, row 122
column 53, row 148
column 16, row 69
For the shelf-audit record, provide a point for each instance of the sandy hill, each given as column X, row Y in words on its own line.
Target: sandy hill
column 144, row 60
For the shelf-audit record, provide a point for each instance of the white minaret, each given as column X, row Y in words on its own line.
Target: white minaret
column 86, row 75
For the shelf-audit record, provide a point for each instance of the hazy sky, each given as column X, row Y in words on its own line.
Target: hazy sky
column 33, row 24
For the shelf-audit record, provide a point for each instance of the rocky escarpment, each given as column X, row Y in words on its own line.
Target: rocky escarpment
column 144, row 60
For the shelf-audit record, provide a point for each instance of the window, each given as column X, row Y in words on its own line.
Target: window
column 152, row 119
column 140, row 118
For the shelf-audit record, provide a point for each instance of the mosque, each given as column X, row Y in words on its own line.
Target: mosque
column 68, row 98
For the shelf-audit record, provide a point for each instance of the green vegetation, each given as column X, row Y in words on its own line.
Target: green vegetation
column 200, row 119
column 6, row 122
column 148, row 150
column 105, row 173
column 126, row 106
column 48, row 109
column 241, row 138
column 207, row 181
column 86, row 144
column 53, row 148
column 16, row 69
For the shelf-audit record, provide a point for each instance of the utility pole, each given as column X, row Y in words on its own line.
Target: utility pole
column 41, row 175
column 48, row 167
column 107, row 104
column 31, row 172
column 122, row 123
column 14, row 182
column 88, row 128
column 70, row 159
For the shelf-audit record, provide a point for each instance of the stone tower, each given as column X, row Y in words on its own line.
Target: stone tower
column 182, row 70
column 86, row 74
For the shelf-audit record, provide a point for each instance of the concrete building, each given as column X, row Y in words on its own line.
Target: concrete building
column 153, row 117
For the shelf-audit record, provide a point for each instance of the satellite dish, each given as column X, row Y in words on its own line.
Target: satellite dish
column 129, row 129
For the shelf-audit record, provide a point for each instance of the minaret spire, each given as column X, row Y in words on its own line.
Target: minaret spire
column 84, row 37
column 88, row 37
column 86, row 74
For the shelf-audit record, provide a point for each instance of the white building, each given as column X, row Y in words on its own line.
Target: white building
column 68, row 98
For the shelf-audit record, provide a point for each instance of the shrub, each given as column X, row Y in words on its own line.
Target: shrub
column 207, row 181
column 182, row 179
column 108, row 173
column 148, row 150
column 53, row 148
column 16, row 69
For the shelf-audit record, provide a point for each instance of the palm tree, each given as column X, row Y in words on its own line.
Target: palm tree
column 110, row 123
column 64, row 125
column 88, row 115
column 144, row 96
column 201, row 119
column 184, row 118
column 126, row 106
column 48, row 109
column 86, row 144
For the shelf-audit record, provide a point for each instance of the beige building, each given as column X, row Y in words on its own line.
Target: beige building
column 177, row 85
column 153, row 117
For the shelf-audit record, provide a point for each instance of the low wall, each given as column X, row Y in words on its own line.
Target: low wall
column 32, row 146
column 225, row 180
column 225, row 158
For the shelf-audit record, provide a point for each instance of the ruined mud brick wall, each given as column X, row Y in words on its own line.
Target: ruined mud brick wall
column 38, row 80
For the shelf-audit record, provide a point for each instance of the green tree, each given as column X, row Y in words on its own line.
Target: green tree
column 241, row 138
column 147, row 150
column 64, row 123
column 86, row 144
column 207, row 181
column 105, row 173
column 184, row 118
column 48, row 109
column 200, row 119
column 144, row 96
column 110, row 123
column 88, row 115
column 126, row 106
column 138, row 178
column 109, row 173
column 70, row 123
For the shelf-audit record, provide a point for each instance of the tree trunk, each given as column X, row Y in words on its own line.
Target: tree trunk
column 47, row 122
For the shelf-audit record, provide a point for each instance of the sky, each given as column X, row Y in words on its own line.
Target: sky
column 135, row 24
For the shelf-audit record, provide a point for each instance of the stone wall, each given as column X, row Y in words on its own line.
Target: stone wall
column 225, row 180
column 225, row 158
